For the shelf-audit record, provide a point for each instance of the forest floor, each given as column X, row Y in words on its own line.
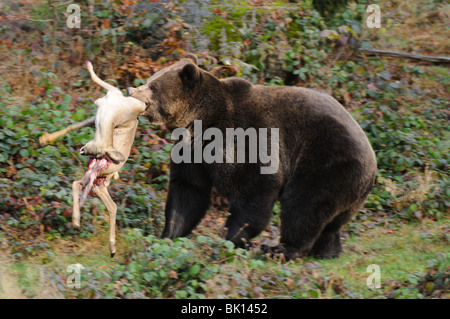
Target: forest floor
column 400, row 231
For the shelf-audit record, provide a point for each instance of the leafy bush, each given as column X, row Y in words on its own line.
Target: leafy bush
column 263, row 43
column 200, row 267
column 157, row 268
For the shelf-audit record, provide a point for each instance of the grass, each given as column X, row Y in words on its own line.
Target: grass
column 400, row 254
column 404, row 256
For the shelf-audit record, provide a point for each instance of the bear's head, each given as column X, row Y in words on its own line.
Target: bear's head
column 171, row 95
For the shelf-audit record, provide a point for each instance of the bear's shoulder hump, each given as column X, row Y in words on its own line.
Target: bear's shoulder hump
column 237, row 84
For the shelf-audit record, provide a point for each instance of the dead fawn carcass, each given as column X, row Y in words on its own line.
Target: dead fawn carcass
column 115, row 129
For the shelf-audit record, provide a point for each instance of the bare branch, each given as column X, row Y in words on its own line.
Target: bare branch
column 429, row 58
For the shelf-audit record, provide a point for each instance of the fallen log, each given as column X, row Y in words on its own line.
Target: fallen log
column 429, row 58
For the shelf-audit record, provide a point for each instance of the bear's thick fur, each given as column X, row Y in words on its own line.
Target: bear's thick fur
column 326, row 164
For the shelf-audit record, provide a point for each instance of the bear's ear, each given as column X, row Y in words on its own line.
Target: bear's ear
column 190, row 74
column 190, row 56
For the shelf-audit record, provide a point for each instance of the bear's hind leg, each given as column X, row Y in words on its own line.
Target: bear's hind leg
column 305, row 212
column 300, row 228
column 328, row 245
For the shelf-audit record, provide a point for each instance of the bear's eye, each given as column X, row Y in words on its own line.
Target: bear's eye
column 153, row 88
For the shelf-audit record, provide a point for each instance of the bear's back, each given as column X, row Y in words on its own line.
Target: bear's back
column 314, row 128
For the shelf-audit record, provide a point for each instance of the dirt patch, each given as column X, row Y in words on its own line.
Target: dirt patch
column 9, row 286
column 36, row 280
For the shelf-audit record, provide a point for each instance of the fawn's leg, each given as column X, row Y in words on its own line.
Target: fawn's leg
column 76, row 188
column 102, row 193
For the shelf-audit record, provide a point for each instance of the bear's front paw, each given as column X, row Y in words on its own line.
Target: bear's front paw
column 280, row 252
column 275, row 252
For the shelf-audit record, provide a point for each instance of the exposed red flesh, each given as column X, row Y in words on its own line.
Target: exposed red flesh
column 95, row 165
column 90, row 179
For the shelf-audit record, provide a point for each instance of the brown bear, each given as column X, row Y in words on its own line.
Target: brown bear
column 325, row 171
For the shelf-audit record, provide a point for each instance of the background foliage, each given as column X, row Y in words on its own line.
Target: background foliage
column 402, row 105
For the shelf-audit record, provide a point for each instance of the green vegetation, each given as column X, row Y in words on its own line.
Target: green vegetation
column 401, row 104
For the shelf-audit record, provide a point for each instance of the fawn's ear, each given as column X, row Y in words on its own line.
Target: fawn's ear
column 116, row 156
